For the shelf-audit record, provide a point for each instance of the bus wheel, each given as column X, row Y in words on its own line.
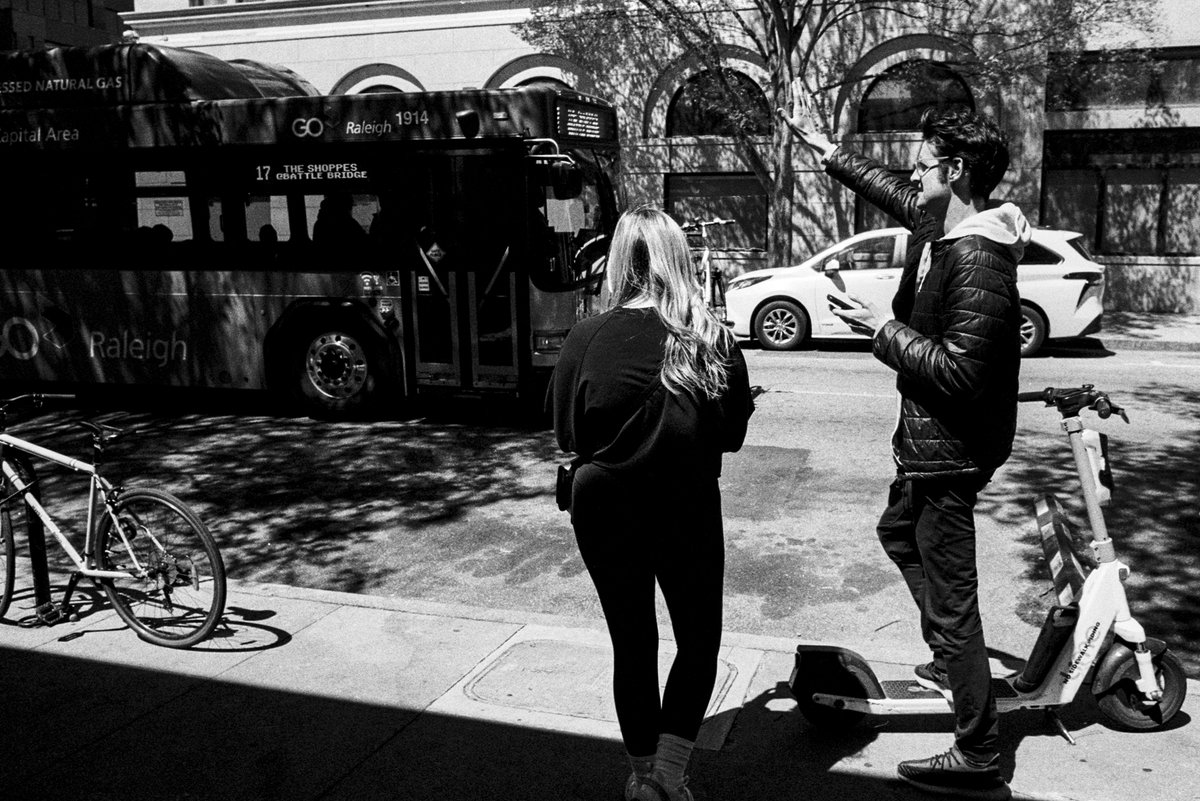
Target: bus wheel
column 337, row 369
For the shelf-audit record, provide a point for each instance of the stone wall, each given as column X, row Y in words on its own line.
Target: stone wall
column 1152, row 284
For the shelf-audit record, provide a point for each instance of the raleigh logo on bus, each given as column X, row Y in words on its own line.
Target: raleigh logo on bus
column 312, row 126
column 21, row 339
column 126, row 346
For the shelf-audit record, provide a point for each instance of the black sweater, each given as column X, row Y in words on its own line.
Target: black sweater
column 611, row 408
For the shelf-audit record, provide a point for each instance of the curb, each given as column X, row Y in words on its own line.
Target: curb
column 733, row 639
column 1128, row 343
column 1116, row 344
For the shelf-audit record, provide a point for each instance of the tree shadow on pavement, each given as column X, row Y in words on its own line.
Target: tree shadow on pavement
column 302, row 501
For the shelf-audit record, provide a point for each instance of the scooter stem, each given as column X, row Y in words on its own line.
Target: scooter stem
column 1102, row 546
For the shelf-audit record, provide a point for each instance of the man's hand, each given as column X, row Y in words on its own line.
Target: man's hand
column 804, row 120
column 865, row 319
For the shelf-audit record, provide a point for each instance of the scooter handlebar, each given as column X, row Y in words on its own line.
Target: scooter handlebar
column 1043, row 395
column 1072, row 401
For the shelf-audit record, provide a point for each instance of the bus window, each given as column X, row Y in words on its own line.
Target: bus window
column 267, row 219
column 162, row 200
column 217, row 221
column 577, row 244
column 340, row 218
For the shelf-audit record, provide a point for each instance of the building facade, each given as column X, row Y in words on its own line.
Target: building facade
column 28, row 24
column 1121, row 165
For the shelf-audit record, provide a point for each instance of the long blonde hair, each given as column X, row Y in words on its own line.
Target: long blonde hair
column 649, row 262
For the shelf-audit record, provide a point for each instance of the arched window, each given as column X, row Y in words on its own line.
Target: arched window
column 701, row 108
column 896, row 99
column 545, row 80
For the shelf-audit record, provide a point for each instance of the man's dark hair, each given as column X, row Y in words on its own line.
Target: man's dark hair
column 958, row 132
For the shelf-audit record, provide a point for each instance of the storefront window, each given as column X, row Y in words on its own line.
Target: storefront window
column 1183, row 211
column 1124, row 79
column 729, row 196
column 1131, row 207
column 1132, row 192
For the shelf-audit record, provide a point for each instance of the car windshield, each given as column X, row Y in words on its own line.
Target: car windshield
column 876, row 253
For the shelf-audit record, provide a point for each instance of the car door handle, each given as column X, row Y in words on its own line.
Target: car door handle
column 885, row 278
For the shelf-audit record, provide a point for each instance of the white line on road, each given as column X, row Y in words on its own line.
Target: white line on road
column 890, row 395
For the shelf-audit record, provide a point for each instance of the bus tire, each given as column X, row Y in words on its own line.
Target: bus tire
column 336, row 368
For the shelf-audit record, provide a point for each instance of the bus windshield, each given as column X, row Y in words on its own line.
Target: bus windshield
column 342, row 251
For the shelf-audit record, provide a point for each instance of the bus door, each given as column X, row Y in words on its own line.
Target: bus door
column 462, row 272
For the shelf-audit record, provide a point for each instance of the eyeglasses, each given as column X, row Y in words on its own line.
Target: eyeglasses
column 920, row 169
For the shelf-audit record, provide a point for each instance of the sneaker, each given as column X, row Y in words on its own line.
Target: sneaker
column 932, row 677
column 631, row 786
column 952, row 774
column 655, row 788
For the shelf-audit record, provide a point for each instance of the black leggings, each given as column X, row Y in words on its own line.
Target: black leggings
column 629, row 535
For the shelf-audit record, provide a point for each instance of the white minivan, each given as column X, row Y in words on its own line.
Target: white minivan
column 1061, row 287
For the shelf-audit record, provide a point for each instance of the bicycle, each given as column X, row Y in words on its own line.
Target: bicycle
column 156, row 561
column 712, row 279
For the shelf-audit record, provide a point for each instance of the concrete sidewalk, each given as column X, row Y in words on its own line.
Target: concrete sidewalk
column 1145, row 331
column 310, row 694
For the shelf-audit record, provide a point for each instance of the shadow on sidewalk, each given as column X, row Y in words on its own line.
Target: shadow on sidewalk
column 98, row 730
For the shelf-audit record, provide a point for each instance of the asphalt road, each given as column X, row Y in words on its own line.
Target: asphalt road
column 459, row 508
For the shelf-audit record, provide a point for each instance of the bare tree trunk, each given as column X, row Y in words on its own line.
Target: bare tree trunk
column 783, row 184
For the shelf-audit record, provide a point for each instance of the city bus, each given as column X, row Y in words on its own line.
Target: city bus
column 175, row 219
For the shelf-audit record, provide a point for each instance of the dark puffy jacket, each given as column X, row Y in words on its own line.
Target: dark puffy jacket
column 955, row 343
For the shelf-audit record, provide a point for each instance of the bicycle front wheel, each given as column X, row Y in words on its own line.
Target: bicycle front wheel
column 8, row 558
column 175, row 591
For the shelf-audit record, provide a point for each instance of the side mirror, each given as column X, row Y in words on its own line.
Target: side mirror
column 468, row 122
column 832, row 266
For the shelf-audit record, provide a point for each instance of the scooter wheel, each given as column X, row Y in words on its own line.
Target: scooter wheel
column 1126, row 707
column 828, row 717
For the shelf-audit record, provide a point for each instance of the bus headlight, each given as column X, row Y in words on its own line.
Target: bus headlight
column 548, row 341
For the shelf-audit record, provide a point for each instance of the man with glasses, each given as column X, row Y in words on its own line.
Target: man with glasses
column 953, row 338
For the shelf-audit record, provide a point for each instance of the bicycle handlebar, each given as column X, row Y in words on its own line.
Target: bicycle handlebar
column 35, row 399
column 694, row 224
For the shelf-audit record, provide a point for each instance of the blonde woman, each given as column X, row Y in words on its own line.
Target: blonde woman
column 649, row 395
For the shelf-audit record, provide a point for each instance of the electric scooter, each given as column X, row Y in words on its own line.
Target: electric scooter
column 1139, row 684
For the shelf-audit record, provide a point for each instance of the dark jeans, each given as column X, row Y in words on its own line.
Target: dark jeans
column 928, row 530
column 629, row 535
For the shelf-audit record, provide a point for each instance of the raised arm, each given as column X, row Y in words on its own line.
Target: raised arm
column 864, row 176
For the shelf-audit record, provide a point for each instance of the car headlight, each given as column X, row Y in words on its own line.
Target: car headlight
column 747, row 281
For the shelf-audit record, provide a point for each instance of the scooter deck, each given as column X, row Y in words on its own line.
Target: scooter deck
column 908, row 689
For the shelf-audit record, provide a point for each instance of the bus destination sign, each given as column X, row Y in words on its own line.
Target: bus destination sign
column 309, row 172
column 577, row 121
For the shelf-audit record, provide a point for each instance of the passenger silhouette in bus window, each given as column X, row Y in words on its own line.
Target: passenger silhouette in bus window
column 335, row 223
column 267, row 235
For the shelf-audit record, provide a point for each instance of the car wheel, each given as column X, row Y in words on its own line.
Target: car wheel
column 1033, row 331
column 781, row 325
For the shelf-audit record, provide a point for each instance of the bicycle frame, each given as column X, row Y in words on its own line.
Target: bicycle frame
column 100, row 489
column 712, row 282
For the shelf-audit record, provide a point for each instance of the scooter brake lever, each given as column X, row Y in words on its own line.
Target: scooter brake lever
column 1105, row 408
